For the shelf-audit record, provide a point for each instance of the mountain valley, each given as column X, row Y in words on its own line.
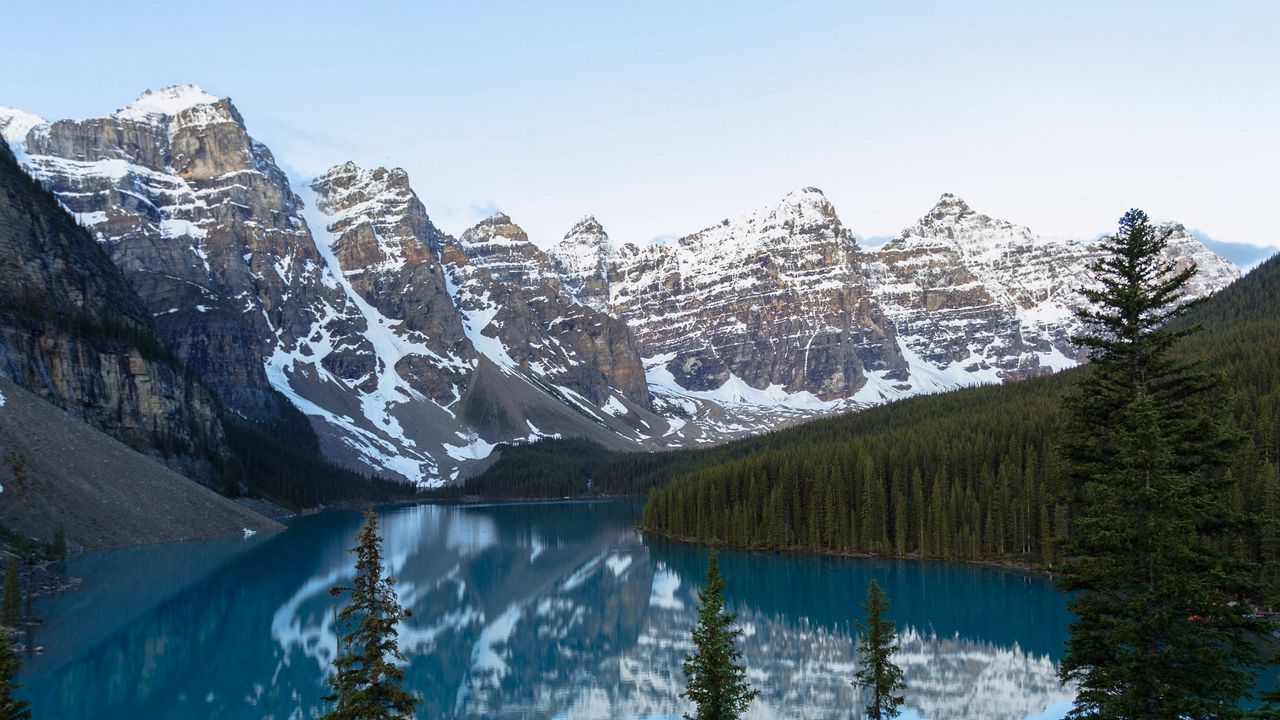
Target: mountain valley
column 414, row 353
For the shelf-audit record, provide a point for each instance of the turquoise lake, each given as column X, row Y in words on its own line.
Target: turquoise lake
column 541, row 610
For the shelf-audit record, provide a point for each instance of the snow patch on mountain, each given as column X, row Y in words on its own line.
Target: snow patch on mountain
column 15, row 124
column 476, row 319
column 734, row 390
column 759, row 320
column 475, row 448
column 396, row 451
column 614, row 407
column 165, row 102
column 749, row 310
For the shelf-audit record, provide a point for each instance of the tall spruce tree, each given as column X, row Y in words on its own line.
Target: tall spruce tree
column 11, row 708
column 1157, row 634
column 878, row 677
column 717, row 679
column 11, row 605
column 366, row 682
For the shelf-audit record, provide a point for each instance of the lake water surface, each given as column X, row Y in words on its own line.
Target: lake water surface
column 547, row 610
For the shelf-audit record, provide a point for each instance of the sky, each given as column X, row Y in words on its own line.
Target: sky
column 661, row 118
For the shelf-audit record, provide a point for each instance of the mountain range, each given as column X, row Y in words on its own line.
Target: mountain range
column 415, row 353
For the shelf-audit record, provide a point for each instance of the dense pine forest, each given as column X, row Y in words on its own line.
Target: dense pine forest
column 973, row 474
column 282, row 462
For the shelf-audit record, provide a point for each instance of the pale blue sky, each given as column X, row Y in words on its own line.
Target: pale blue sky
column 662, row 118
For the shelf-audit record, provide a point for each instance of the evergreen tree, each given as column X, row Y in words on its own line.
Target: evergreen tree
column 1156, row 634
column 366, row 684
column 717, row 679
column 11, row 606
column 1269, row 480
column 11, row 708
column 984, row 464
column 878, row 676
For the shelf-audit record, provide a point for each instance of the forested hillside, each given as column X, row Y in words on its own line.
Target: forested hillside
column 968, row 474
column 971, row 474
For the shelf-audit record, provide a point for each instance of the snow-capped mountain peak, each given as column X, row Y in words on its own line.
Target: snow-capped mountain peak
column 168, row 101
column 950, row 211
column 1214, row 272
column 803, row 216
column 806, row 197
column 366, row 192
column 496, row 228
column 582, row 259
column 950, row 203
column 15, row 124
column 952, row 222
column 503, row 248
column 588, row 231
column 415, row 352
column 804, row 206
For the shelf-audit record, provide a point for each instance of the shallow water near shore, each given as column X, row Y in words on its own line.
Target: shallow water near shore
column 534, row 610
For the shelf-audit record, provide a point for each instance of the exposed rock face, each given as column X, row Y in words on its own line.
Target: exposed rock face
column 339, row 303
column 978, row 297
column 781, row 307
column 73, row 332
column 205, row 227
column 519, row 315
column 582, row 259
column 388, row 251
column 414, row 352
column 476, row 340
column 985, row 300
column 212, row 236
column 776, row 298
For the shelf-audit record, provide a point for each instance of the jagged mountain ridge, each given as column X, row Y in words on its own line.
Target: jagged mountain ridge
column 196, row 214
column 414, row 352
column 472, row 352
column 339, row 302
column 957, row 298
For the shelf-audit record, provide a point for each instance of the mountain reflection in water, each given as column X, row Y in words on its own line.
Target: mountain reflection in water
column 547, row 610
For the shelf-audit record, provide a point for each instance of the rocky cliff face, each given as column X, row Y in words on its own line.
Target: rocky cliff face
column 212, row 236
column 388, row 252
column 477, row 342
column 983, row 300
column 205, row 227
column 980, row 299
column 782, row 309
column 519, row 311
column 414, row 352
column 74, row 333
column 776, row 299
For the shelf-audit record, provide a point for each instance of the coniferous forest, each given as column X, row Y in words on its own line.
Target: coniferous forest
column 712, row 361
column 974, row 474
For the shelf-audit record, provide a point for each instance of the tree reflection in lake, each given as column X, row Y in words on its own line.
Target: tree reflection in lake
column 531, row 611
